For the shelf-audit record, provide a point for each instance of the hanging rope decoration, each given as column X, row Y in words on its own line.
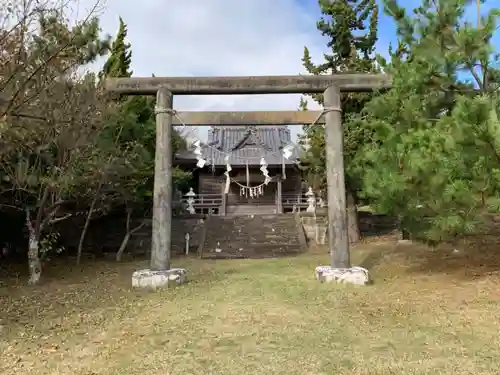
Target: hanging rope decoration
column 265, row 172
column 247, row 190
column 198, row 152
column 286, row 154
column 226, row 173
column 287, row 151
column 255, row 191
column 246, row 159
column 250, row 191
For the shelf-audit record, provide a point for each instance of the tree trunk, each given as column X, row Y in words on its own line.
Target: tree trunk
column 405, row 235
column 128, row 233
column 84, row 231
column 119, row 253
column 123, row 246
column 34, row 261
column 352, row 219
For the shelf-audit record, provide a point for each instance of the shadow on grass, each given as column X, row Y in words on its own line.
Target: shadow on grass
column 94, row 288
column 374, row 257
column 471, row 258
column 65, row 289
column 97, row 287
column 468, row 259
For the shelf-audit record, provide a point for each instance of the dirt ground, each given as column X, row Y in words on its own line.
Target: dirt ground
column 429, row 311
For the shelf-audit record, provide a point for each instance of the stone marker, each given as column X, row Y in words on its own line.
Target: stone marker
column 158, row 279
column 353, row 275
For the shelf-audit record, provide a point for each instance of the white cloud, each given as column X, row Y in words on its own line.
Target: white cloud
column 217, row 37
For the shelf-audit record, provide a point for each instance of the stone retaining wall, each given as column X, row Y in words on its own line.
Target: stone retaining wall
column 315, row 225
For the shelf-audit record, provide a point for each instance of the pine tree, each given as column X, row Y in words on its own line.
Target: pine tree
column 118, row 63
column 351, row 28
column 434, row 158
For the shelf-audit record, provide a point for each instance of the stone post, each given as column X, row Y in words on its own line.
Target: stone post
column 340, row 269
column 321, row 201
column 338, row 240
column 160, row 274
column 311, row 201
column 162, row 191
column 187, row 238
column 190, row 201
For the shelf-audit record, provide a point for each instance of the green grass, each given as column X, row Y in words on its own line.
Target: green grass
column 261, row 317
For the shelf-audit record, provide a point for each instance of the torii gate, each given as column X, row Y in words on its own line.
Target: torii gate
column 330, row 85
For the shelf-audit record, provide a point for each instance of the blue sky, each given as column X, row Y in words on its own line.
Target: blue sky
column 225, row 37
column 387, row 28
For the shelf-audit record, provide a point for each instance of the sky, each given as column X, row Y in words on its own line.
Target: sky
column 224, row 38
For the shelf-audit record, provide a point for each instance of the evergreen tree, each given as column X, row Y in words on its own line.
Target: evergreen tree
column 351, row 28
column 138, row 125
column 434, row 158
column 118, row 63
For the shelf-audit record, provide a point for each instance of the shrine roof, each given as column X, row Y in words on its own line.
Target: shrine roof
column 247, row 144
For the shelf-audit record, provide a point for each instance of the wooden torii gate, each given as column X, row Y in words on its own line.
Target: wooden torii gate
column 331, row 86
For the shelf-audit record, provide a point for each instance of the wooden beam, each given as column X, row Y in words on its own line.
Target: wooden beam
column 338, row 239
column 300, row 84
column 248, row 118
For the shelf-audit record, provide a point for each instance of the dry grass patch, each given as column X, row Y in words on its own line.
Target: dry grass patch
column 261, row 316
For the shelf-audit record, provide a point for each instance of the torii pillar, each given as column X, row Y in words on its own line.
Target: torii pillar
column 161, row 241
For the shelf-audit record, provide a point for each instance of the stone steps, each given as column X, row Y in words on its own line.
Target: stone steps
column 238, row 210
column 254, row 236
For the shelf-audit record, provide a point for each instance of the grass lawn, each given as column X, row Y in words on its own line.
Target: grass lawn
column 429, row 312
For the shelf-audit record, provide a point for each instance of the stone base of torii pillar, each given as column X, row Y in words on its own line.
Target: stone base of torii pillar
column 352, row 275
column 149, row 279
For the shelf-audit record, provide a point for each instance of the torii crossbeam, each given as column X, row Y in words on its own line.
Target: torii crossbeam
column 330, row 85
